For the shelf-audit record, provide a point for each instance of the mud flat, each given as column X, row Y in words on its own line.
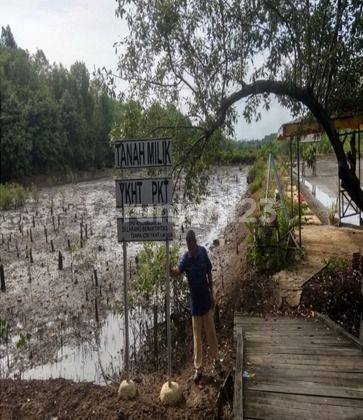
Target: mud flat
column 64, row 322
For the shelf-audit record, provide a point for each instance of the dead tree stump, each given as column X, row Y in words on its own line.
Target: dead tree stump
column 81, row 233
column 2, row 278
column 60, row 261
column 96, row 311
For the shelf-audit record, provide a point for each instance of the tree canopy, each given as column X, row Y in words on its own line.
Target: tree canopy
column 207, row 55
column 56, row 120
column 52, row 119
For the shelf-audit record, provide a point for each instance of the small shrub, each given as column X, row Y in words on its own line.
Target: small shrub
column 336, row 263
column 256, row 184
column 150, row 275
column 256, row 175
column 266, row 251
column 12, row 195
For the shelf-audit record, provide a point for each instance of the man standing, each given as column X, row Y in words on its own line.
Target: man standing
column 198, row 269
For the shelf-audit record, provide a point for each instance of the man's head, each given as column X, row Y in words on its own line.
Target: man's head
column 191, row 240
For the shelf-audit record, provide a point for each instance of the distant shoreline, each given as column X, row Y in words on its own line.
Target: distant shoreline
column 43, row 181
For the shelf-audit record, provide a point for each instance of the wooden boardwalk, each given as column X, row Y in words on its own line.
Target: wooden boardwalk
column 296, row 368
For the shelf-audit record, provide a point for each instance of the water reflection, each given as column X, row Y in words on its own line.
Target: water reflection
column 90, row 361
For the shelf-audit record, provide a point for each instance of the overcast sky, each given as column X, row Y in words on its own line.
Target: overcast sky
column 85, row 30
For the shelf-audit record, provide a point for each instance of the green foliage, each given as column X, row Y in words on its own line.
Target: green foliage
column 208, row 54
column 257, row 173
column 150, row 281
column 336, row 263
column 270, row 250
column 236, row 152
column 324, row 146
column 53, row 120
column 23, row 340
column 309, row 155
column 12, row 195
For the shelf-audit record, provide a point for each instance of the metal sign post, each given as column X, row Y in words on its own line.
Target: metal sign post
column 168, row 327
column 126, row 308
column 137, row 154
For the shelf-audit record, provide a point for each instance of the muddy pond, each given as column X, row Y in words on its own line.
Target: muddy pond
column 59, row 321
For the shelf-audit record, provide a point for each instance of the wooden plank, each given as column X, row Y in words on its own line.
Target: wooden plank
column 278, row 406
column 302, row 369
column 323, row 368
column 307, row 338
column 293, row 329
column 354, row 380
column 238, row 381
column 309, row 359
column 259, row 410
column 290, row 333
column 341, row 330
column 337, row 381
column 281, row 328
column 290, row 399
column 279, row 322
column 307, row 388
column 299, row 341
column 305, row 370
column 276, row 321
column 312, row 350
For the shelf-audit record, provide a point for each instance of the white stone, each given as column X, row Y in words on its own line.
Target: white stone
column 171, row 395
column 127, row 390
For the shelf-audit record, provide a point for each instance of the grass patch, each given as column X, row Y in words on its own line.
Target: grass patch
column 12, row 195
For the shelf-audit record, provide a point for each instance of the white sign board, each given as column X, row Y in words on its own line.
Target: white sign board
column 143, row 192
column 141, row 153
column 144, row 229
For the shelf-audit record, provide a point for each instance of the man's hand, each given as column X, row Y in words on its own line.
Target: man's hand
column 174, row 271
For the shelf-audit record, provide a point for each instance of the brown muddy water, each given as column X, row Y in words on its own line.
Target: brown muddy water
column 60, row 323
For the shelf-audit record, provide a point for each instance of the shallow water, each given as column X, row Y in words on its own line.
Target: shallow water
column 90, row 361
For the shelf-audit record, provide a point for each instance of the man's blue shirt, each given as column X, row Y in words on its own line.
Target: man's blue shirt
column 196, row 269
